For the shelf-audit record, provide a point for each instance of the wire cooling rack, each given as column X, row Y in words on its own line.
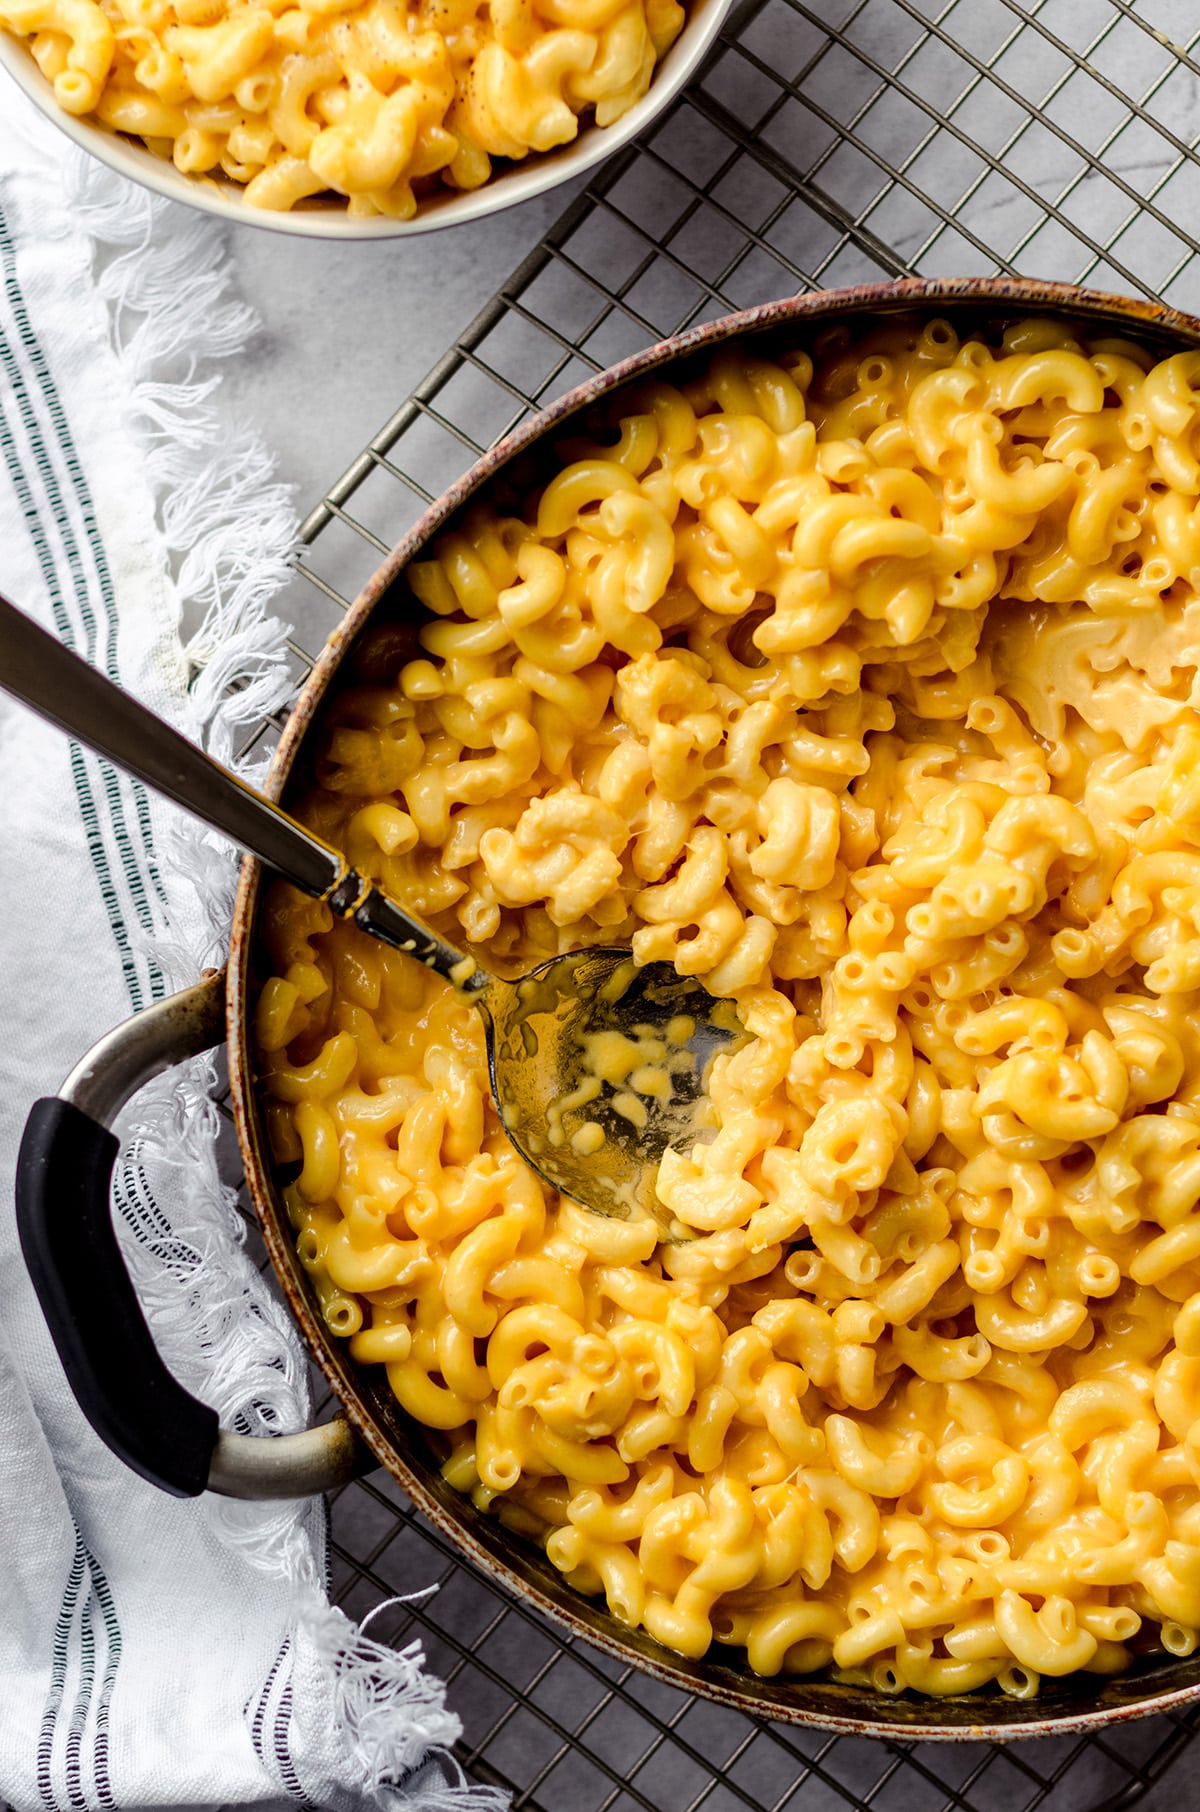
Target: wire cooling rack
column 823, row 144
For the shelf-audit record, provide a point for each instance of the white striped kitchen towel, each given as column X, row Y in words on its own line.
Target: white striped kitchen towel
column 152, row 1652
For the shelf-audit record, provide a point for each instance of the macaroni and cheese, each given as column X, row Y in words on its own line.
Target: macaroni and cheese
column 863, row 685
column 375, row 100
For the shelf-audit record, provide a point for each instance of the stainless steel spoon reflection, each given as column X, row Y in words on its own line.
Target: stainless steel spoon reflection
column 596, row 1067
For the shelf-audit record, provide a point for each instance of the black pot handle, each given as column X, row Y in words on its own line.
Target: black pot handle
column 135, row 1405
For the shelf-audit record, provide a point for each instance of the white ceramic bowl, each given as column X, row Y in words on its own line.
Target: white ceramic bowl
column 322, row 218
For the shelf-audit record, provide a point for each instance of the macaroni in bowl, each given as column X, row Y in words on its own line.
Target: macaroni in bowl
column 863, row 686
column 375, row 100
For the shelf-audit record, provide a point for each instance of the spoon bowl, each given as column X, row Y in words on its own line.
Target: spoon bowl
column 596, row 1066
column 600, row 1067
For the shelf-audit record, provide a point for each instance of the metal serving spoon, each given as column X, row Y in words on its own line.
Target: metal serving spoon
column 596, row 1066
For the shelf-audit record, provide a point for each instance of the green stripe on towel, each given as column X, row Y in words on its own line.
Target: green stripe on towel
column 99, row 635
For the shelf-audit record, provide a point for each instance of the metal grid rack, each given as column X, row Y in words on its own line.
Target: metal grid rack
column 824, row 144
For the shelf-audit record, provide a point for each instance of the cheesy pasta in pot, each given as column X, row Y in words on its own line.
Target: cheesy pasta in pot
column 379, row 101
column 862, row 684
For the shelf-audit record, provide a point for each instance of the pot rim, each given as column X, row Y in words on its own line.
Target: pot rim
column 882, row 1717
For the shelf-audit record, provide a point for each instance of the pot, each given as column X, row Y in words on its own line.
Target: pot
column 68, row 1154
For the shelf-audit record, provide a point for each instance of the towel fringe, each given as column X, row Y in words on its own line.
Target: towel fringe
column 227, row 523
column 228, row 528
column 381, row 1691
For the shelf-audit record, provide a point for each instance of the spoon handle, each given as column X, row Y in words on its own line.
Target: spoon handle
column 36, row 669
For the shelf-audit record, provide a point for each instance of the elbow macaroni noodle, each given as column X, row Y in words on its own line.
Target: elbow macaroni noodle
column 863, row 686
column 373, row 100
